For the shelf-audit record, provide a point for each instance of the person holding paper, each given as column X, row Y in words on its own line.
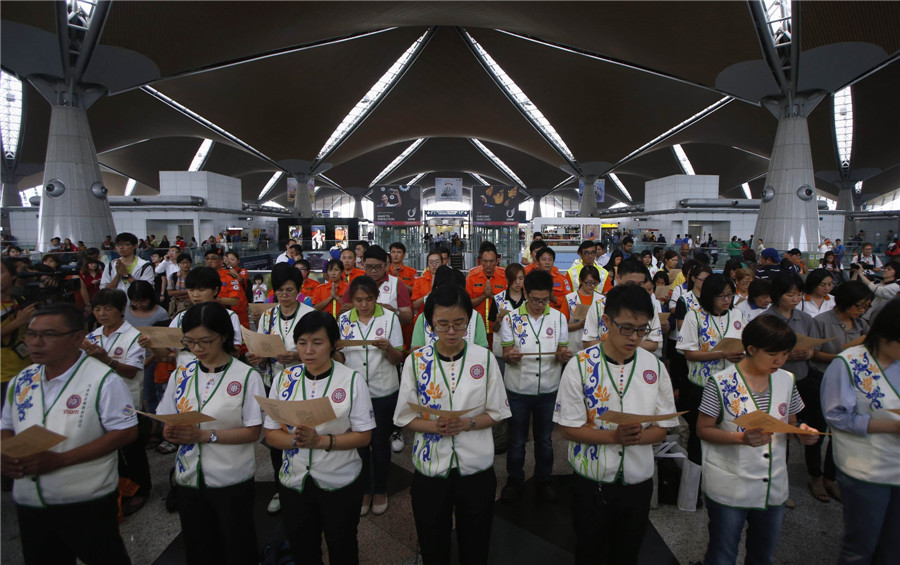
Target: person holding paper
column 541, row 332
column 115, row 344
column 423, row 334
column 453, row 455
column 377, row 364
column 861, row 404
column 745, row 476
column 586, row 295
column 702, row 330
column 613, row 464
column 327, row 296
column 392, row 294
column 508, row 300
column 320, row 483
column 67, row 497
column 215, row 465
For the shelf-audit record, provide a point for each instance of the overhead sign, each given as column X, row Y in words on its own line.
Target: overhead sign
column 446, row 213
column 495, row 205
column 397, row 205
column 448, row 190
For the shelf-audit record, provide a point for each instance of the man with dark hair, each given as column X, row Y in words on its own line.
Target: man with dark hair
column 128, row 267
column 351, row 271
column 531, row 382
column 391, row 293
column 482, row 285
column 108, row 244
column 587, row 253
column 627, row 246
column 445, row 254
column 614, row 463
column 66, row 496
column 533, row 248
column 545, row 258
column 231, row 295
column 284, row 257
column 768, row 267
column 405, row 273
column 630, row 272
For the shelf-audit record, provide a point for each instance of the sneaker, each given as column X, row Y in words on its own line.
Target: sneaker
column 511, row 492
column 379, row 508
column 545, row 491
column 274, row 506
column 397, row 443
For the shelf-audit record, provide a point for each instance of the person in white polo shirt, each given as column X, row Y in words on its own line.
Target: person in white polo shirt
column 453, row 456
column 377, row 365
column 66, row 497
column 215, row 465
column 745, row 470
column 320, row 481
column 613, row 464
column 531, row 382
column 860, row 400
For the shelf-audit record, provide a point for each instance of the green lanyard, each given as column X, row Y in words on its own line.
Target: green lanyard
column 213, row 393
column 609, row 373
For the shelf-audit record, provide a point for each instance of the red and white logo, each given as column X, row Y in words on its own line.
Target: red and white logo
column 234, row 388
column 650, row 377
column 73, row 402
column 782, row 409
column 549, row 332
column 379, row 332
column 737, row 324
column 118, row 351
column 338, row 396
column 477, row 371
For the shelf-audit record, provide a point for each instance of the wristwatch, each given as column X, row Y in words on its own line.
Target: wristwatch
column 213, row 438
column 472, row 424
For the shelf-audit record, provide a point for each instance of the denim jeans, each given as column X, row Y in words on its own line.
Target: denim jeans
column 726, row 525
column 376, row 456
column 538, row 409
column 871, row 522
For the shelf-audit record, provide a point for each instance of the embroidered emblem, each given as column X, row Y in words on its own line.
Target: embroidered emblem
column 737, row 324
column 128, row 410
column 73, row 402
column 649, row 377
column 782, row 409
column 549, row 332
column 338, row 396
column 477, row 371
column 118, row 351
column 379, row 332
column 386, row 288
column 234, row 388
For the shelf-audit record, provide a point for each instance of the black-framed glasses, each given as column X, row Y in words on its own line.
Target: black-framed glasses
column 373, row 267
column 729, row 296
column 459, row 326
column 590, row 283
column 199, row 343
column 539, row 301
column 631, row 330
column 51, row 335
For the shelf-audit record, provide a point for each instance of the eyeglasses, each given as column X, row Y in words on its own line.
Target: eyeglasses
column 726, row 296
column 30, row 335
column 459, row 326
column 375, row 267
column 862, row 305
column 200, row 343
column 539, row 301
column 590, row 283
column 436, row 263
column 283, row 290
column 630, row 330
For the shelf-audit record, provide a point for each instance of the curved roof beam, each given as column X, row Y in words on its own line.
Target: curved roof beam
column 497, row 162
column 403, row 156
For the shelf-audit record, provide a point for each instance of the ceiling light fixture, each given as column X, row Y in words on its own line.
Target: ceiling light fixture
column 683, row 159
column 615, row 178
column 403, row 156
column 270, row 184
column 497, row 162
column 200, row 156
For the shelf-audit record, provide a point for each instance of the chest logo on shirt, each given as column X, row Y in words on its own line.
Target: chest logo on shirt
column 782, row 409
column 549, row 332
column 386, row 288
column 234, row 388
column 73, row 402
column 338, row 396
column 379, row 332
column 737, row 324
column 650, row 377
column 118, row 351
column 477, row 371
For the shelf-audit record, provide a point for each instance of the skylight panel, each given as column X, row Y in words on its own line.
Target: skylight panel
column 565, row 182
column 843, row 125
column 10, row 113
column 416, row 178
column 397, row 161
column 371, row 99
column 521, row 100
column 615, row 178
column 746, row 188
column 270, row 185
column 130, row 186
column 497, row 162
column 200, row 157
column 683, row 159
column 480, row 179
column 618, row 205
column 274, row 204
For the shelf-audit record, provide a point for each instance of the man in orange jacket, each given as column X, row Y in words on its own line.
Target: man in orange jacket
column 482, row 285
column 545, row 258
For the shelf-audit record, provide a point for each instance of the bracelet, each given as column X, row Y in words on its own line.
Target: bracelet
column 331, row 443
column 294, row 441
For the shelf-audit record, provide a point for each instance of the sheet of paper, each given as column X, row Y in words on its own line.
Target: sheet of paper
column 729, row 345
column 163, row 337
column 180, row 419
column 663, row 316
column 854, row 343
column 537, row 354
column 264, row 345
column 580, row 313
column 35, row 439
column 662, row 292
column 895, row 411
column 309, row 413
column 437, row 413
column 355, row 342
column 769, row 423
column 257, row 308
column 806, row 342
column 624, row 418
column 501, row 312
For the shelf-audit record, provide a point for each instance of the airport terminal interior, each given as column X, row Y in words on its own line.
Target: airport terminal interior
column 241, row 125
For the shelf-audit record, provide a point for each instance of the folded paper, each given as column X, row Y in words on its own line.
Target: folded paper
column 180, row 419
column 296, row 413
column 425, row 410
column 624, row 418
column 163, row 337
column 769, row 424
column 31, row 441
column 264, row 345
column 729, row 345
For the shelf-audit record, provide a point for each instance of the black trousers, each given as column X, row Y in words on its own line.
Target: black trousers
column 133, row 463
column 309, row 514
column 217, row 524
column 809, row 389
column 434, row 502
column 88, row 531
column 610, row 520
column 689, row 397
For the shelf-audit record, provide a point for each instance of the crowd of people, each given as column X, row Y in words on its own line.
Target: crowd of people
column 448, row 356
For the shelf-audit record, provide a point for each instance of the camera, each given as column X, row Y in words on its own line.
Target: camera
column 855, row 266
column 45, row 288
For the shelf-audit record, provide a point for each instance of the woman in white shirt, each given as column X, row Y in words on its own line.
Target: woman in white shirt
column 817, row 293
column 453, row 455
column 759, row 299
column 216, row 463
column 319, row 483
column 377, row 364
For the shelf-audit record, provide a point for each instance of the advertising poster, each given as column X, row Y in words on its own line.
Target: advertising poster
column 291, row 189
column 397, row 205
column 495, row 205
column 296, row 233
column 340, row 235
column 318, row 237
column 599, row 190
column 448, row 190
column 591, row 231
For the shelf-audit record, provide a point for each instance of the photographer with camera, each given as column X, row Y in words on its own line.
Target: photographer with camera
column 867, row 261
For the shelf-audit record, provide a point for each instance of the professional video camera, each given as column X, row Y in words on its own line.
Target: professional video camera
column 49, row 287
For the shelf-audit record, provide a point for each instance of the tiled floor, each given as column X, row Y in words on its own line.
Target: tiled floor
column 811, row 532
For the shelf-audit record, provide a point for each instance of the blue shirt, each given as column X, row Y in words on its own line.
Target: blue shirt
column 839, row 397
